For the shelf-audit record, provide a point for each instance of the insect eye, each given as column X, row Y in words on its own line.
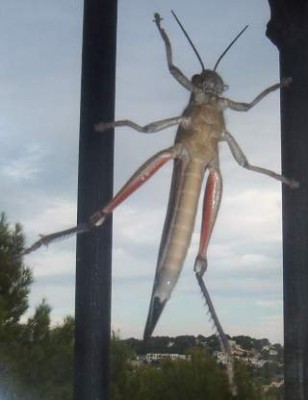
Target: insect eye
column 196, row 80
column 226, row 87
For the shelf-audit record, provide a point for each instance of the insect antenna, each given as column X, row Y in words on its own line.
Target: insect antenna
column 189, row 39
column 228, row 48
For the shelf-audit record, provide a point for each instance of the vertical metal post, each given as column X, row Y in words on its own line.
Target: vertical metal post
column 288, row 29
column 93, row 270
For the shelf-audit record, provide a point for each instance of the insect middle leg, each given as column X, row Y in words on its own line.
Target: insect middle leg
column 243, row 162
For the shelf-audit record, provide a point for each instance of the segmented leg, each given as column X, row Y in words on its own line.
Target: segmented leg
column 237, row 106
column 243, row 162
column 149, row 128
column 46, row 239
column 211, row 202
column 224, row 343
column 175, row 71
column 212, row 198
column 138, row 179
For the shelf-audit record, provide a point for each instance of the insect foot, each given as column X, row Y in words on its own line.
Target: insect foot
column 157, row 18
column 200, row 265
column 97, row 218
column 286, row 82
column 293, row 184
column 103, row 126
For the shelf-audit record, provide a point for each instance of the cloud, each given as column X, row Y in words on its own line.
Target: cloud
column 57, row 214
column 24, row 167
column 52, row 263
column 270, row 303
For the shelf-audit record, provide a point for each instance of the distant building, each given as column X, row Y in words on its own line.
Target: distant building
column 155, row 357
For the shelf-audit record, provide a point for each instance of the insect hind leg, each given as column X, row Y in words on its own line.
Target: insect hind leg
column 139, row 178
column 211, row 203
column 145, row 172
column 224, row 343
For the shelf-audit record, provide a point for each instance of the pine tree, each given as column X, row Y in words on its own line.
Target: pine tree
column 15, row 277
column 15, row 281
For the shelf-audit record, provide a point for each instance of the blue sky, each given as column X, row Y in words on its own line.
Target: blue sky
column 40, row 71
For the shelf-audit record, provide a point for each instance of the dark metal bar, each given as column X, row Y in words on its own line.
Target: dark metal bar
column 93, row 269
column 288, row 29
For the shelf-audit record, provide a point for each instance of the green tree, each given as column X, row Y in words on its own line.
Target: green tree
column 121, row 367
column 36, row 360
column 248, row 387
column 198, row 378
column 275, row 393
column 40, row 359
column 15, row 278
column 61, row 361
column 15, row 281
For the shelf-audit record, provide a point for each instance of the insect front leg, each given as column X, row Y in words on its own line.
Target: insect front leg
column 175, row 71
column 243, row 162
column 149, row 128
column 236, row 106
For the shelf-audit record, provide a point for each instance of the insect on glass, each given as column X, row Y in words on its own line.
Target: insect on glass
column 201, row 127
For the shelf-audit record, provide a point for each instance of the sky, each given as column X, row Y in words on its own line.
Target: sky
column 40, row 69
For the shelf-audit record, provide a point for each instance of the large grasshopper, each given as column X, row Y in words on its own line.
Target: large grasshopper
column 195, row 151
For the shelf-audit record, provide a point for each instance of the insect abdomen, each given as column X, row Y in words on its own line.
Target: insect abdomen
column 181, row 224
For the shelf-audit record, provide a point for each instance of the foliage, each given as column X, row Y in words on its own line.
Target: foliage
column 249, row 343
column 198, row 378
column 212, row 343
column 248, row 388
column 15, row 278
column 267, row 371
column 275, row 393
column 35, row 359
column 39, row 359
column 121, row 355
column 166, row 344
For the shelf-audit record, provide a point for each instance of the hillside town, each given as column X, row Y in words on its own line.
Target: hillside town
column 264, row 360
